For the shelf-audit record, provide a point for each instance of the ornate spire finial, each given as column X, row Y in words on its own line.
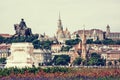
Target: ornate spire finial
column 59, row 16
column 60, row 23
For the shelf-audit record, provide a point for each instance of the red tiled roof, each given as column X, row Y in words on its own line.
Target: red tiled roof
column 5, row 35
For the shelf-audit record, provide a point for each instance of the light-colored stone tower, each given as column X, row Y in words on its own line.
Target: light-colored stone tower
column 107, row 31
column 84, row 51
column 60, row 32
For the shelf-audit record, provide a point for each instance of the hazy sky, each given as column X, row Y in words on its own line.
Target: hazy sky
column 42, row 15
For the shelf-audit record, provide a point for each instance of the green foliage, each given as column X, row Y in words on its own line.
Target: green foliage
column 77, row 61
column 77, row 36
column 115, row 62
column 92, row 61
column 105, row 42
column 2, row 39
column 36, row 43
column 33, row 39
column 95, row 59
column 109, row 63
column 15, row 39
column 118, row 42
column 46, row 44
column 8, row 71
column 101, row 62
column 55, row 69
column 97, row 42
column 89, row 41
column 72, row 41
column 108, row 42
column 95, row 55
column 43, row 44
column 61, row 60
column 2, row 60
column 33, row 70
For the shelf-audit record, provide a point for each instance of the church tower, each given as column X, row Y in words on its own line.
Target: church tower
column 107, row 31
column 84, row 51
column 60, row 27
column 60, row 32
column 94, row 35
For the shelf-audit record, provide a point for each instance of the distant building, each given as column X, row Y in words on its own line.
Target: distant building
column 62, row 35
column 55, row 48
column 91, row 34
column 111, row 56
column 43, row 37
column 79, row 50
column 42, row 56
column 4, row 50
column 112, row 35
column 99, row 34
column 6, row 35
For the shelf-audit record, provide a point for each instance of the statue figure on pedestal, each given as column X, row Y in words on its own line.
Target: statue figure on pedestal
column 22, row 29
column 22, row 24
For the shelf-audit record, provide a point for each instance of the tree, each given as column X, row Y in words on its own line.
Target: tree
column 2, row 60
column 72, row 41
column 92, row 61
column 101, row 62
column 108, row 42
column 95, row 59
column 89, row 41
column 2, row 39
column 77, row 61
column 77, row 36
column 109, row 63
column 61, row 59
column 97, row 42
column 36, row 44
column 46, row 44
column 118, row 42
column 115, row 62
column 95, row 55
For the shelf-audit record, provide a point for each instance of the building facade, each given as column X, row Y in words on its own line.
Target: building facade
column 97, row 34
column 5, row 50
column 111, row 56
column 112, row 35
column 42, row 57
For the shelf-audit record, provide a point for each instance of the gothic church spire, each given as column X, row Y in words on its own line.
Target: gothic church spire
column 60, row 27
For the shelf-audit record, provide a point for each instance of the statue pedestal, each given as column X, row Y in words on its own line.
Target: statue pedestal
column 21, row 56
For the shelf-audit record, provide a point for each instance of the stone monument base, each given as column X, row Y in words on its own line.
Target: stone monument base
column 21, row 56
